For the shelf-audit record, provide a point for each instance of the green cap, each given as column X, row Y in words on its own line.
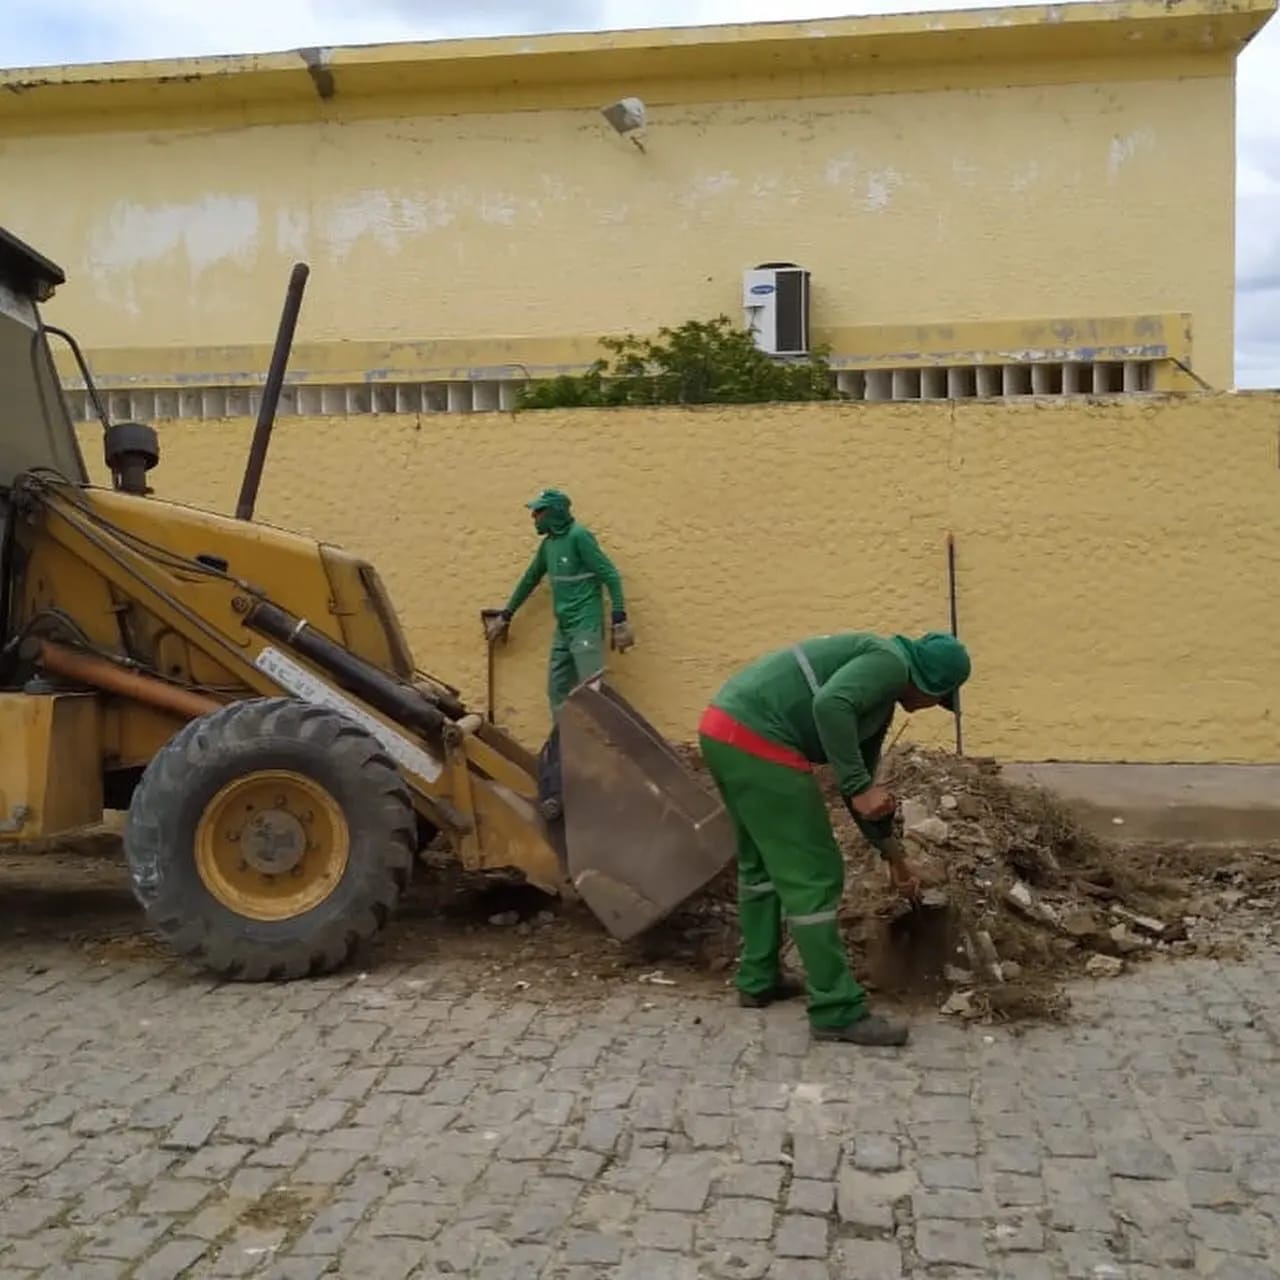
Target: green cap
column 550, row 500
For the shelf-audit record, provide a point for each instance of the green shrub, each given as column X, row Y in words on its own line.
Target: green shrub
column 701, row 362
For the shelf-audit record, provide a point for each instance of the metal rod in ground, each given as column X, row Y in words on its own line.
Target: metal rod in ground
column 271, row 392
column 955, row 631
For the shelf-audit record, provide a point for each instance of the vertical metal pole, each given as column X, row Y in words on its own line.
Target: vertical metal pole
column 271, row 392
column 955, row 631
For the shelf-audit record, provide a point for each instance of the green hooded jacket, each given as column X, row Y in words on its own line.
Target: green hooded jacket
column 572, row 558
column 858, row 678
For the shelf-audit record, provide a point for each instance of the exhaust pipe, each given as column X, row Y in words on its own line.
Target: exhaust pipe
column 271, row 392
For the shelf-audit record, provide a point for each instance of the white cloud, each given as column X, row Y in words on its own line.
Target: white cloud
column 41, row 32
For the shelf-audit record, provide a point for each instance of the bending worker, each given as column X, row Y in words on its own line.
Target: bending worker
column 572, row 558
column 826, row 700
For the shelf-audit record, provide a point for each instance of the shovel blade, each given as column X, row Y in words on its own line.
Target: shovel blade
column 642, row 834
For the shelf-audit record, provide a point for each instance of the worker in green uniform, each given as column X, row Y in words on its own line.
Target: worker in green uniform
column 825, row 700
column 578, row 568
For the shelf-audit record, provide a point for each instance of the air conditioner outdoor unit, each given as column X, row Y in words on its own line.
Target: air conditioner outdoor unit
column 775, row 298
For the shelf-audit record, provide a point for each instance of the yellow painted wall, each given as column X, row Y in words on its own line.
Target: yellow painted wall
column 927, row 206
column 1118, row 560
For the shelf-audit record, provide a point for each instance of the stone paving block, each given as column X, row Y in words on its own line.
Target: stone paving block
column 682, row 1183
column 955, row 1172
column 876, row 1153
column 1140, row 1160
column 1222, row 1266
column 1025, row 1267
column 215, row 1161
column 1065, row 1140
column 957, row 1243
column 801, row 1236
column 806, row 1196
column 330, row 1227
column 741, row 1219
column 1020, row 1234
column 665, row 1231
column 192, row 1131
column 645, row 1264
column 171, row 1260
column 813, row 1157
column 126, row 1239
column 944, row 1139
column 865, row 1201
column 869, row 1260
column 1227, row 1232
column 753, row 1181
column 174, row 1195
column 593, row 1247
column 99, row 1202
column 1013, row 1189
column 798, row 1269
column 1014, row 1155
column 1088, row 1255
column 971, row 1206
column 1214, row 1190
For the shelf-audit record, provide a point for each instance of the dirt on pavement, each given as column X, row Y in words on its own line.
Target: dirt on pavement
column 1026, row 899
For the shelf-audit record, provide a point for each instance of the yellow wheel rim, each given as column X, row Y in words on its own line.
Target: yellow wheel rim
column 272, row 845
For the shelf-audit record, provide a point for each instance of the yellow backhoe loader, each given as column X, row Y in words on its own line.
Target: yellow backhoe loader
column 247, row 694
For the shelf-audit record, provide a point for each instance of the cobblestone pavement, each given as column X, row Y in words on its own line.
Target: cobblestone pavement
column 403, row 1123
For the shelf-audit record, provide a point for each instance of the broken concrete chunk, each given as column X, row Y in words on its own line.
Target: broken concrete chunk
column 948, row 804
column 1145, row 924
column 1104, row 966
column 1123, row 941
column 932, row 830
column 913, row 812
column 1080, row 924
column 1020, row 896
column 959, row 1004
column 990, row 956
column 505, row 918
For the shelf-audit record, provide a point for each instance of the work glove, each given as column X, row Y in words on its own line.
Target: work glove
column 496, row 623
column 623, row 637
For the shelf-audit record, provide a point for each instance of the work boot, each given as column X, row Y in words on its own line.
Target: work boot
column 783, row 989
column 873, row 1030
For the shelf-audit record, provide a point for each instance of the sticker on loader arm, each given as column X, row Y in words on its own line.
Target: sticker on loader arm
column 301, row 683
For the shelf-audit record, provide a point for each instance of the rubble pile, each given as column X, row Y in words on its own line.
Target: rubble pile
column 1017, row 896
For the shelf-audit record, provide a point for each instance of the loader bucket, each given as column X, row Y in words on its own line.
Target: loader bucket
column 642, row 834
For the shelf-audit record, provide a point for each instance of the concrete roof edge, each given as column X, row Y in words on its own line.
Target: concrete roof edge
column 1186, row 26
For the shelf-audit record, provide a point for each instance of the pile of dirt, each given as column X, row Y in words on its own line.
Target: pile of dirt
column 1018, row 897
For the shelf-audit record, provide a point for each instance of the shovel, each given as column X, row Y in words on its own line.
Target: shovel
column 486, row 615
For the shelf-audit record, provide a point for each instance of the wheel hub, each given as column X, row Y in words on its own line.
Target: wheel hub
column 273, row 841
column 272, row 844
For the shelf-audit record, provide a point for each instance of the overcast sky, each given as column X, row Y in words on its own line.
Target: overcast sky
column 40, row 32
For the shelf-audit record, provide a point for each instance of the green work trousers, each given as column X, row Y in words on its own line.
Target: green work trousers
column 788, row 864
column 575, row 656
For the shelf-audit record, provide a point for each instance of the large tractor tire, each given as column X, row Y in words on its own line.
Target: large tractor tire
column 268, row 839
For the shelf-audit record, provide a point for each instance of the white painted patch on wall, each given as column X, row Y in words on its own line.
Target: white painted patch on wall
column 1025, row 177
column 207, row 232
column 498, row 211
column 1127, row 145
column 710, row 186
column 389, row 219
column 292, row 229
column 878, row 194
column 840, row 167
